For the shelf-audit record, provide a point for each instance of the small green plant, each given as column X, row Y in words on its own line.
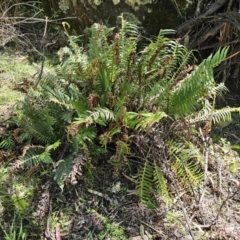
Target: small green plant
column 14, row 230
column 111, row 230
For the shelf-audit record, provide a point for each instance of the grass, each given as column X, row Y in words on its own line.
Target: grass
column 12, row 72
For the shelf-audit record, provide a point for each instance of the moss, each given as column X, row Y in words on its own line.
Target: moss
column 64, row 6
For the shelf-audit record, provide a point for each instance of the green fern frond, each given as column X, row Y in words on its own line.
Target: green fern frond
column 160, row 183
column 187, row 172
column 181, row 58
column 185, row 99
column 86, row 135
column 164, row 60
column 122, row 150
column 209, row 113
column 186, row 162
column 7, row 142
column 224, row 114
column 53, row 146
column 106, row 137
column 99, row 115
column 31, row 158
column 143, row 120
column 63, row 169
column 144, row 183
column 42, row 132
column 129, row 29
column 214, row 60
column 186, row 149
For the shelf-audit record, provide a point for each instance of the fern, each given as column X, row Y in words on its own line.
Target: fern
column 186, row 163
column 33, row 155
column 184, row 98
column 62, row 170
column 36, row 121
column 31, row 158
column 122, row 150
column 144, row 183
column 143, row 120
column 7, row 142
column 224, row 114
column 100, row 116
column 110, row 92
column 70, row 169
column 209, row 113
column 160, row 183
column 86, row 135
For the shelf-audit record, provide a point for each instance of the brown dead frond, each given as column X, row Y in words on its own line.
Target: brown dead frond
column 77, row 168
column 43, row 204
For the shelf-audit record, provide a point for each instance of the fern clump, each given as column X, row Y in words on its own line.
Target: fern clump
column 143, row 102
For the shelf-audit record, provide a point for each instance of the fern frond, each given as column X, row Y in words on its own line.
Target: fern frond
column 208, row 113
column 7, row 142
column 86, row 135
column 130, row 30
column 187, row 172
column 186, row 162
column 143, row 120
column 160, row 183
column 185, row 98
column 31, row 158
column 144, row 183
column 36, row 121
column 63, row 169
column 224, row 114
column 100, row 116
column 122, row 150
column 106, row 137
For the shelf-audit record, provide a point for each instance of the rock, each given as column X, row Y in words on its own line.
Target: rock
column 152, row 14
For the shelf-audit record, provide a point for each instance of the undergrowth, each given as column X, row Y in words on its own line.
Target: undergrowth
column 112, row 100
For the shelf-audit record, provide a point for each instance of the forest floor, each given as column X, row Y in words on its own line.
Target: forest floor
column 107, row 206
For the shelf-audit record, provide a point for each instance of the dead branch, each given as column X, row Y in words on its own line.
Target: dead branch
column 191, row 23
